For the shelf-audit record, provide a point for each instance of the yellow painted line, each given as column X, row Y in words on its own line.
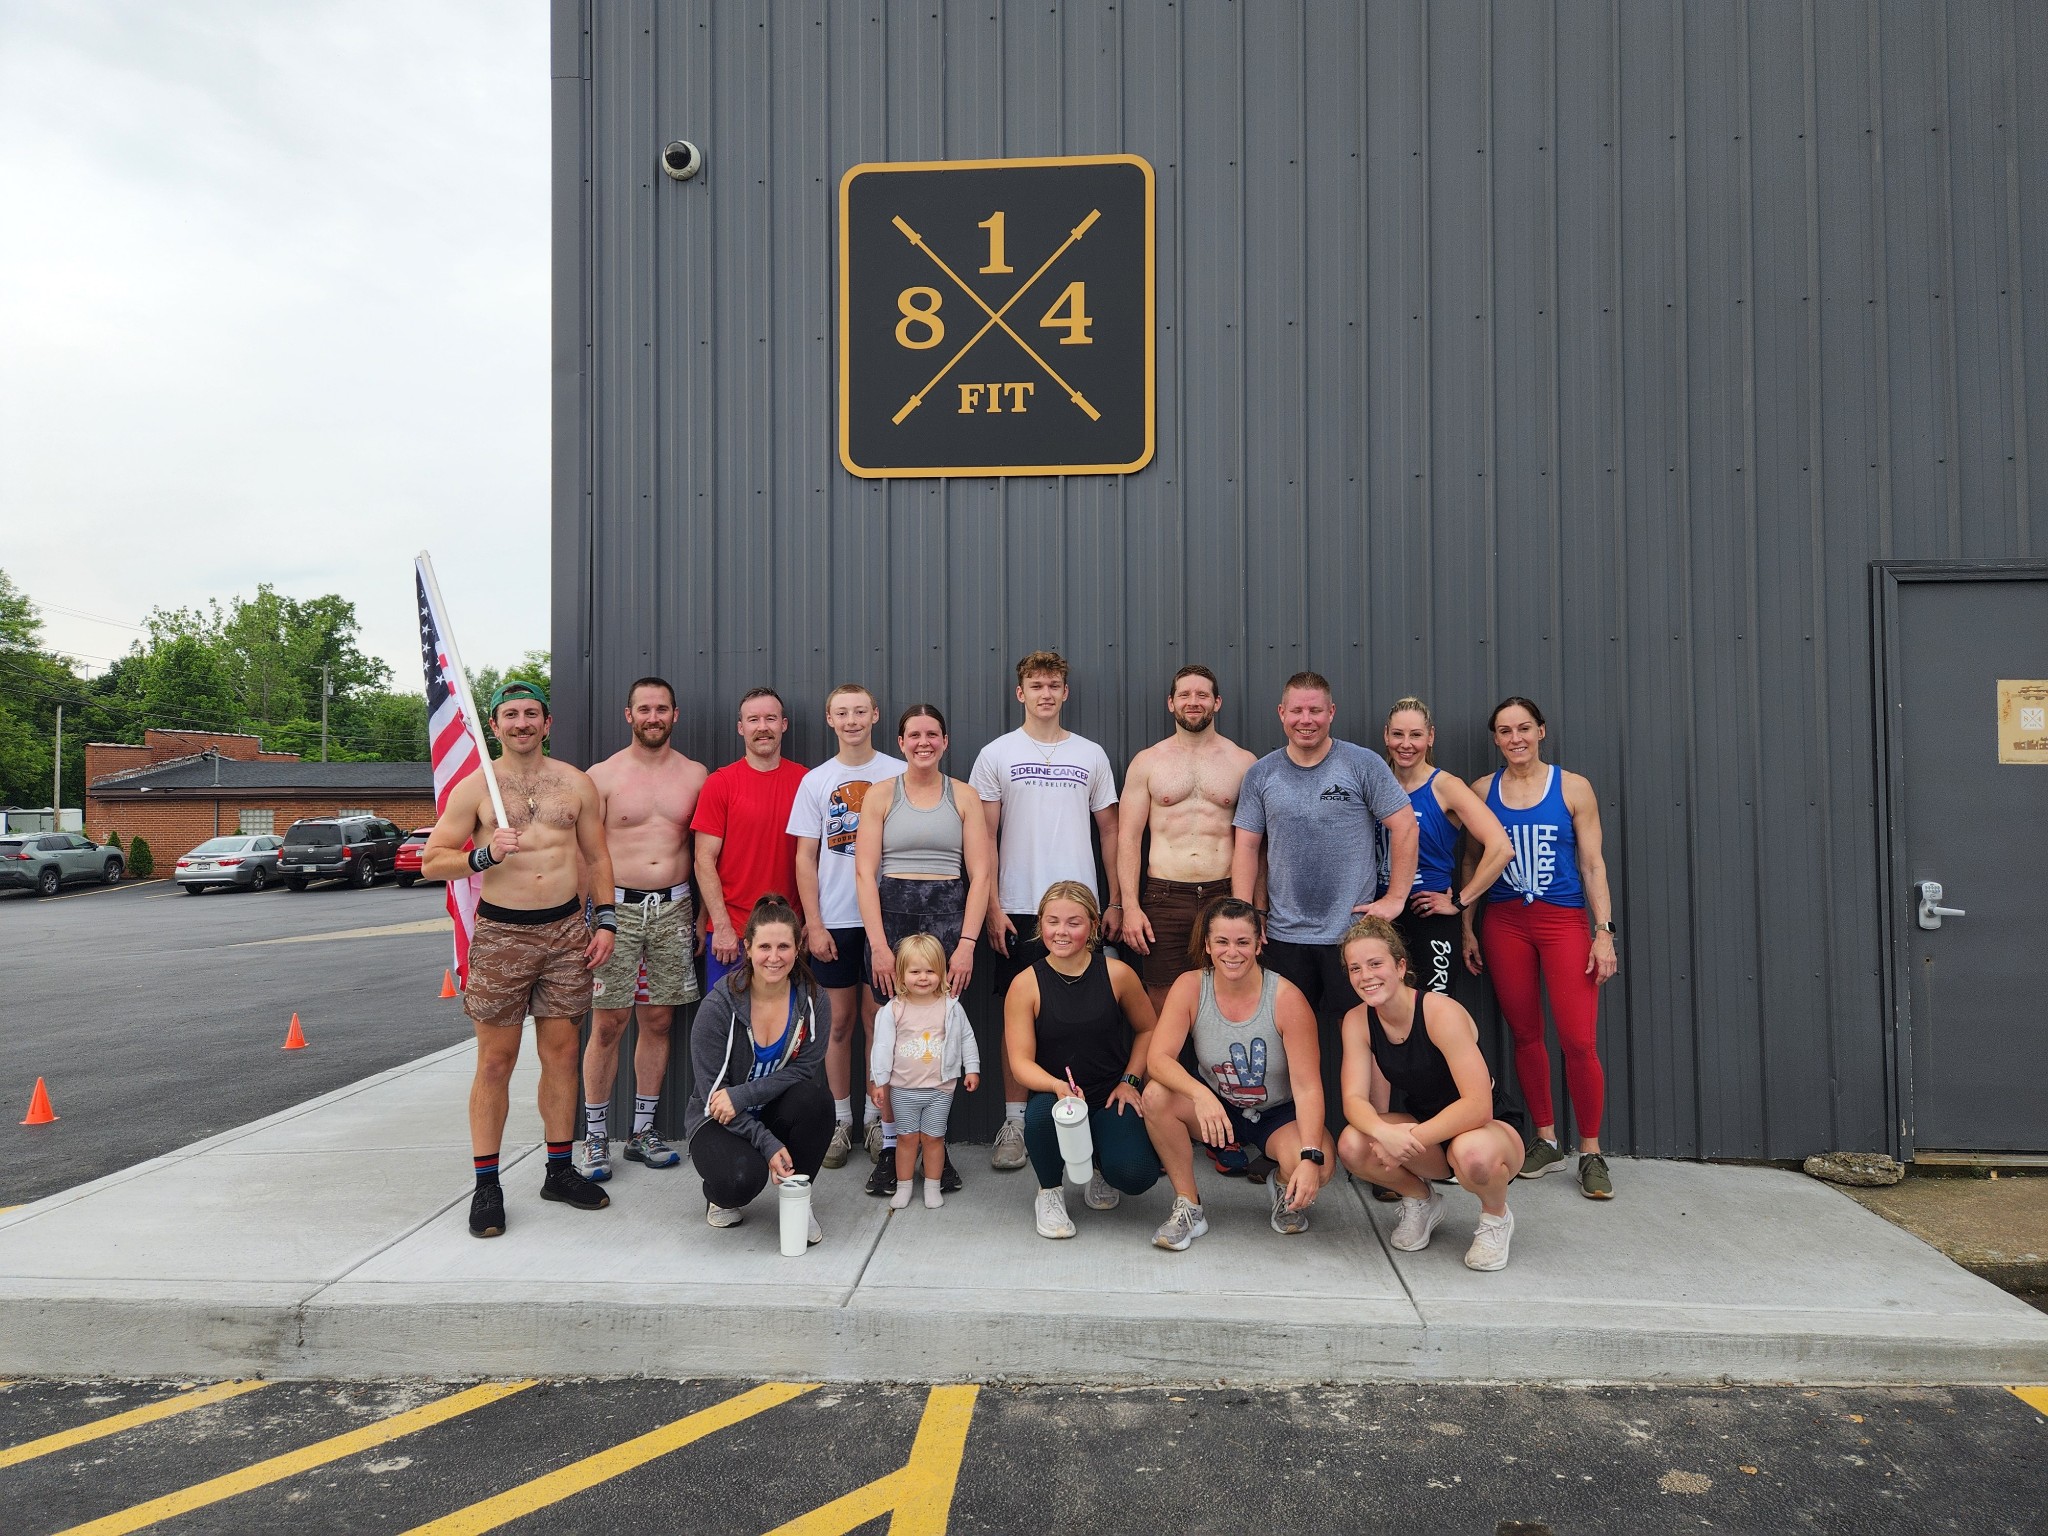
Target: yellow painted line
column 2035, row 1398
column 114, row 1423
column 389, row 930
column 917, row 1496
column 277, row 1468
column 560, row 1484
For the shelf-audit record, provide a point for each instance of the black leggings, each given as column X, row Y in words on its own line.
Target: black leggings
column 733, row 1169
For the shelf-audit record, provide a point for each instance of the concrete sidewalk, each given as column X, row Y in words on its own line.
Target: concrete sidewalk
column 331, row 1240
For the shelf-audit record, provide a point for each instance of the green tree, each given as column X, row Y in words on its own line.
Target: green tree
column 33, row 682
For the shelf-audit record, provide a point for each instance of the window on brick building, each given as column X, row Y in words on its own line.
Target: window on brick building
column 258, row 823
column 355, row 812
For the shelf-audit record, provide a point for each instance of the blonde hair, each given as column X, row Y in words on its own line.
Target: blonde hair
column 1409, row 701
column 916, row 947
column 1080, row 896
column 1376, row 928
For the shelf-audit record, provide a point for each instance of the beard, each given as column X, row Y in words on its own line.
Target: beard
column 653, row 735
column 1195, row 727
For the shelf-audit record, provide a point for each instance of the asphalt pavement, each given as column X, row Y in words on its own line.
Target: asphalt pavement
column 730, row 1458
column 158, row 1018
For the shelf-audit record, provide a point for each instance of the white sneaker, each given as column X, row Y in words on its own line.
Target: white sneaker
column 1008, row 1152
column 1183, row 1224
column 723, row 1215
column 1051, row 1214
column 1418, row 1219
column 1101, row 1196
column 816, row 1235
column 1489, row 1248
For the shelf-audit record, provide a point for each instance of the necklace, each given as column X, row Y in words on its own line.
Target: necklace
column 1046, row 753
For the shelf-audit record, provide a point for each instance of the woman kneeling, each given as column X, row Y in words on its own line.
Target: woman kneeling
column 1460, row 1127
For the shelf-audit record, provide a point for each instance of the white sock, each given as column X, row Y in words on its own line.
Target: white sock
column 644, row 1106
column 901, row 1198
column 888, row 1133
column 1013, row 1111
column 932, row 1198
column 842, row 1111
column 595, row 1115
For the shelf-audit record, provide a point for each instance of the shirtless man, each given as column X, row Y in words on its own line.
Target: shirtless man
column 1184, row 792
column 649, row 790
column 532, row 951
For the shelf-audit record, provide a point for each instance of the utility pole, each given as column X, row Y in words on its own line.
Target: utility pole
column 57, row 777
column 325, row 689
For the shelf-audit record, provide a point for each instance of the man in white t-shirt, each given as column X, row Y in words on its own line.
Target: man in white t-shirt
column 1039, row 787
column 823, row 821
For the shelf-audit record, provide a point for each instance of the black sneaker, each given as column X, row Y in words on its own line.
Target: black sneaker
column 571, row 1188
column 949, row 1177
column 883, row 1180
column 487, row 1211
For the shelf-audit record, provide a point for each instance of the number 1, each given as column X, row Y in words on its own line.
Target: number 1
column 994, row 225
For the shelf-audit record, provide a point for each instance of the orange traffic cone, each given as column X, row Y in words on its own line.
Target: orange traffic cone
column 447, row 983
column 39, row 1111
column 295, row 1038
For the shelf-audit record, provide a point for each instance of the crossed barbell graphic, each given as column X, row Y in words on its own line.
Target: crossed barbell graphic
column 995, row 318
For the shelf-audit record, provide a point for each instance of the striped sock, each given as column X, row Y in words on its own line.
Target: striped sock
column 558, row 1155
column 644, row 1106
column 486, row 1169
column 594, row 1118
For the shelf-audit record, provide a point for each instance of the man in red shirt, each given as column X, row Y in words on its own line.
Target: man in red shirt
column 744, row 851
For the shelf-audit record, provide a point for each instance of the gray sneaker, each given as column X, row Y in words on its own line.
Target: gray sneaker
column 648, row 1147
column 873, row 1141
column 597, row 1158
column 1183, row 1224
column 840, row 1147
column 1008, row 1152
column 723, row 1215
column 1543, row 1156
column 1102, row 1195
column 1287, row 1221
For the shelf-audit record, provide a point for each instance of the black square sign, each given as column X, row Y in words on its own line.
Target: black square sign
column 995, row 317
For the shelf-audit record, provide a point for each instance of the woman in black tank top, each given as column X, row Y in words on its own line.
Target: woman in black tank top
column 1079, row 1023
column 1460, row 1127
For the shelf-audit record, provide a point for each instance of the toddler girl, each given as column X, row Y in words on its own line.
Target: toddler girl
column 923, row 1046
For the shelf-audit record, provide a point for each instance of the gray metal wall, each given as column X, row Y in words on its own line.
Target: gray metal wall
column 1588, row 349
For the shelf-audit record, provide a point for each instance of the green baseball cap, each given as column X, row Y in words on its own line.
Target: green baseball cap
column 518, row 688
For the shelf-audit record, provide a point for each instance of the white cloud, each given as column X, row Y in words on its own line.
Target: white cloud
column 274, row 307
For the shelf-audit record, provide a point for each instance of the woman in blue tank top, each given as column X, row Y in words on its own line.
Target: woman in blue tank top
column 1445, row 807
column 1537, row 940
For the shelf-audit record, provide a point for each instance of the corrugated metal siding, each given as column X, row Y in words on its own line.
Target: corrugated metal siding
column 1586, row 349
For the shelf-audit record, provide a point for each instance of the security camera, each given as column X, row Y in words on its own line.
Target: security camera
column 681, row 159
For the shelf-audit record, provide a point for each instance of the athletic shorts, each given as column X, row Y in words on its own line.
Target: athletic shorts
column 920, row 1111
column 1172, row 907
column 851, row 968
column 662, row 934
column 532, row 963
column 1252, row 1134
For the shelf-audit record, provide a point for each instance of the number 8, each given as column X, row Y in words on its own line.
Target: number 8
column 925, row 314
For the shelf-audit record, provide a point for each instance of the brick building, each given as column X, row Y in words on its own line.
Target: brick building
column 179, row 788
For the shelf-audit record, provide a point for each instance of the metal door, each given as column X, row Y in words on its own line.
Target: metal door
column 1970, row 961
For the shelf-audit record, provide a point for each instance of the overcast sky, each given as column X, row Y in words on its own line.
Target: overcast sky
column 273, row 307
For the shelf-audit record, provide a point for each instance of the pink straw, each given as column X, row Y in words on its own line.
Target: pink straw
column 1072, row 1084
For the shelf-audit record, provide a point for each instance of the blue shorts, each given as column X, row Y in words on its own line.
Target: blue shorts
column 1253, row 1133
column 851, row 968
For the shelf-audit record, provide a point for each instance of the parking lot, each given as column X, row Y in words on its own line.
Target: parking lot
column 157, row 1019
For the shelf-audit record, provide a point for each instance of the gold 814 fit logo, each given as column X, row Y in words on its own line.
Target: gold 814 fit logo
column 996, row 317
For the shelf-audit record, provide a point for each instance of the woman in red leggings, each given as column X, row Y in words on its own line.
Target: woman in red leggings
column 1537, row 939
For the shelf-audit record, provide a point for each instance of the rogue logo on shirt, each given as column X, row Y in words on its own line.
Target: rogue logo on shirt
column 1339, row 792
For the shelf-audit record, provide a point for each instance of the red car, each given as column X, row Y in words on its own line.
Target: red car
column 408, row 865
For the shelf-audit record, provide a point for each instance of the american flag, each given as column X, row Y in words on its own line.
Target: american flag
column 453, row 747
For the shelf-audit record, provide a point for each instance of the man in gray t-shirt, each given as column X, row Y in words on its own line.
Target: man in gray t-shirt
column 1311, row 808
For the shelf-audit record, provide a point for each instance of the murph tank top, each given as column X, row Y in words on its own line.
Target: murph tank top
column 1546, row 862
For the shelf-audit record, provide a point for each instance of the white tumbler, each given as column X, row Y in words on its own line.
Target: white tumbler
column 796, row 1215
column 1077, row 1145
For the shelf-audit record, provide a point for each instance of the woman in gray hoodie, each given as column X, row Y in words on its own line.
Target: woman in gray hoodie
column 758, row 1108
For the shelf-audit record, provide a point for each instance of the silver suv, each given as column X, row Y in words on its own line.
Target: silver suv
column 42, row 861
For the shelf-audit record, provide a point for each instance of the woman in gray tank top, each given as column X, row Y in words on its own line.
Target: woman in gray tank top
column 1260, row 1082
column 923, row 865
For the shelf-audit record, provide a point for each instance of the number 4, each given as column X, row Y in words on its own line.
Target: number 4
column 1074, row 299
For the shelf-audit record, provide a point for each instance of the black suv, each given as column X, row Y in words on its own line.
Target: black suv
column 356, row 849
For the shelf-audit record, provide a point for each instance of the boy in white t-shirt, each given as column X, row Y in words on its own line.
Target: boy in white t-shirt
column 1039, row 786
column 823, row 821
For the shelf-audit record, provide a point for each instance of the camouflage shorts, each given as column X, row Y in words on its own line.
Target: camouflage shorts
column 521, row 968
column 665, row 938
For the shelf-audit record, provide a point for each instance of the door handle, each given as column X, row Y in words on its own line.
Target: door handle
column 1931, row 909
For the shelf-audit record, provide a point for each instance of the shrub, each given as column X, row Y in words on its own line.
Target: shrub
column 141, row 862
column 114, row 841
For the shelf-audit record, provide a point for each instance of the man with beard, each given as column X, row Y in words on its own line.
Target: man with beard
column 1183, row 792
column 649, row 791
column 744, row 850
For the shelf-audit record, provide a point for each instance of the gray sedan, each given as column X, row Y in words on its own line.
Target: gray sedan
column 249, row 861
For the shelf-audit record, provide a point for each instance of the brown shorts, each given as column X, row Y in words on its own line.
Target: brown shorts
column 521, row 968
column 1172, row 907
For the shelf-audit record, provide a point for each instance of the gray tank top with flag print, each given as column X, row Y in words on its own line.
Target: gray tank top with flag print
column 1245, row 1063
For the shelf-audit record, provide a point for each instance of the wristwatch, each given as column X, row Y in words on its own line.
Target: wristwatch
column 1457, row 899
column 1603, row 927
column 1137, row 1083
column 1313, row 1155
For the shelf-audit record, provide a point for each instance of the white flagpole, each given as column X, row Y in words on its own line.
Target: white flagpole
column 467, row 704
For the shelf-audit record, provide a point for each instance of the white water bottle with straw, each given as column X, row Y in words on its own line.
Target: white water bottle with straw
column 795, row 1210
column 1077, row 1143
